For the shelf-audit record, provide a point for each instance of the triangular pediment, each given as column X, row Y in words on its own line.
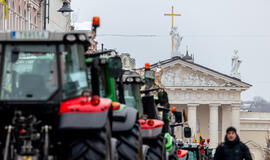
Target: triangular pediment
column 180, row 73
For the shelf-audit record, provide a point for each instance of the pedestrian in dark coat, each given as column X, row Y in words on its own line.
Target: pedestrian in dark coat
column 232, row 148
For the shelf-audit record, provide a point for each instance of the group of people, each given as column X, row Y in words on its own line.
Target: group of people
column 232, row 148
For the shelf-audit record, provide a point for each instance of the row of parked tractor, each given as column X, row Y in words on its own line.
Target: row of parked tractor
column 58, row 101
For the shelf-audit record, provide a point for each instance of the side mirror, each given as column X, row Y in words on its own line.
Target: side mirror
column 163, row 98
column 115, row 66
column 187, row 132
column 178, row 116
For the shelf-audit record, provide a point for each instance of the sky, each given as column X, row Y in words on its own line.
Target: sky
column 212, row 30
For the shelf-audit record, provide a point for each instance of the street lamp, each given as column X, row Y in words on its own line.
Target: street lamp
column 65, row 10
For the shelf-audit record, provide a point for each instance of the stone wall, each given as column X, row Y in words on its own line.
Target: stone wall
column 255, row 129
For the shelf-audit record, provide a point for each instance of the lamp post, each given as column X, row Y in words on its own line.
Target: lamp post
column 64, row 9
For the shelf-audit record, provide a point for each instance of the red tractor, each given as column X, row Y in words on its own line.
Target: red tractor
column 47, row 107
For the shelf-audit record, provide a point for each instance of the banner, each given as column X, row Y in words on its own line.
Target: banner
column 4, row 2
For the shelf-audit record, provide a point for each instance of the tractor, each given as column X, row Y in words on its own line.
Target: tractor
column 125, row 124
column 160, row 108
column 48, row 109
column 153, row 140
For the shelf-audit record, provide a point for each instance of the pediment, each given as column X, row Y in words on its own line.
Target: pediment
column 180, row 73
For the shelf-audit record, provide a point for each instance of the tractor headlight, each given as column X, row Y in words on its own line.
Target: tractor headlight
column 82, row 37
column 103, row 61
column 71, row 37
column 129, row 79
column 138, row 79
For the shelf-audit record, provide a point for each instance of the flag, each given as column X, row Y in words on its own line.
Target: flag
column 194, row 139
column 200, row 139
column 200, row 142
column 6, row 8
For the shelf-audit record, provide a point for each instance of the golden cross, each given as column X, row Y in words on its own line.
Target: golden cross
column 172, row 14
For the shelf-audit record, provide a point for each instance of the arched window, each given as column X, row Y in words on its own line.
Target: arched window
column 19, row 9
column 13, row 5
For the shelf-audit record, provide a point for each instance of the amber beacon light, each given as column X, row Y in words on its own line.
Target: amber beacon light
column 96, row 22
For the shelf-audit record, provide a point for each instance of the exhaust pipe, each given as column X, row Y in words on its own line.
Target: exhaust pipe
column 9, row 129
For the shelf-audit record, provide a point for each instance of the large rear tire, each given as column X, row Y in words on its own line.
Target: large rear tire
column 94, row 146
column 157, row 150
column 129, row 146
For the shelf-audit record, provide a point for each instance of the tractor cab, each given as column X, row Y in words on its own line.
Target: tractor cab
column 132, row 83
column 41, row 69
column 102, row 71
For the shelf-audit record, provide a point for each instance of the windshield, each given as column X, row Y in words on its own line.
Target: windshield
column 28, row 72
column 133, row 97
column 74, row 71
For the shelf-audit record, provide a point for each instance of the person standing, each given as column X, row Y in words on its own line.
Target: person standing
column 232, row 148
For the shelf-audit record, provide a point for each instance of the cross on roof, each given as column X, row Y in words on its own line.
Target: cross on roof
column 172, row 14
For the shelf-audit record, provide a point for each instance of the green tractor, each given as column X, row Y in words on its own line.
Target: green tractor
column 153, row 140
column 125, row 123
column 152, row 106
column 46, row 105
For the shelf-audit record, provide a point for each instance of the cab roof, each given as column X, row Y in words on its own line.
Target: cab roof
column 41, row 36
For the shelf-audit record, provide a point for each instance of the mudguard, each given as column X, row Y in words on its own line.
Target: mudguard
column 151, row 132
column 124, row 119
column 169, row 142
column 182, row 154
column 83, row 121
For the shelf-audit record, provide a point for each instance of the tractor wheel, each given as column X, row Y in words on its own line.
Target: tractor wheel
column 157, row 149
column 94, row 146
column 129, row 146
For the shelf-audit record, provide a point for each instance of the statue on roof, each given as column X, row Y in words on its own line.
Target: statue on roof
column 177, row 39
column 127, row 61
column 235, row 65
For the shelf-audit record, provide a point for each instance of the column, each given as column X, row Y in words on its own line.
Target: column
column 29, row 17
column 236, row 116
column 226, row 121
column 192, row 118
column 213, row 125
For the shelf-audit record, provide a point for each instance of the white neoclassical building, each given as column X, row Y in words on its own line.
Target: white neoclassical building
column 212, row 99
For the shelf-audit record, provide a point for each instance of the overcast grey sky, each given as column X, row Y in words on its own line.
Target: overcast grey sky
column 211, row 28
